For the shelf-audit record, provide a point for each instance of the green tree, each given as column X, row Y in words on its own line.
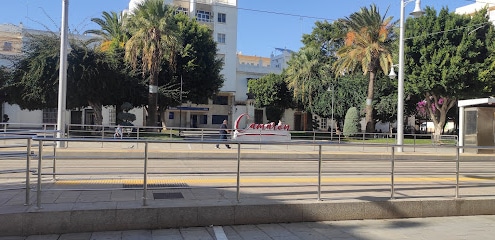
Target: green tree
column 153, row 41
column 271, row 91
column 367, row 46
column 91, row 76
column 348, row 91
column 351, row 123
column 306, row 73
column 197, row 66
column 5, row 76
column 34, row 83
column 448, row 57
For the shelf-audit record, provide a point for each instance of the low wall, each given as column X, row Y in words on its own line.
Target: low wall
column 45, row 221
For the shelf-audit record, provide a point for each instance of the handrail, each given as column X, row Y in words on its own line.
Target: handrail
column 453, row 150
column 325, row 155
column 27, row 136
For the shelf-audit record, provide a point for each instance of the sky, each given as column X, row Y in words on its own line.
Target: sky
column 263, row 25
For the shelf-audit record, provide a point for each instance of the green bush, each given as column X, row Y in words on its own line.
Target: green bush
column 351, row 122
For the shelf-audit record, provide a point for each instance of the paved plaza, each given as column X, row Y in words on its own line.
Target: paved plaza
column 434, row 228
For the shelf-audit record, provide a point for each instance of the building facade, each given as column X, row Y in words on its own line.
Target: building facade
column 231, row 101
column 478, row 5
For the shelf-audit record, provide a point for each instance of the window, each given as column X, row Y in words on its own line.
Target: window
column 221, row 57
column 222, row 17
column 7, row 46
column 182, row 10
column 112, row 115
column 203, row 119
column 221, row 100
column 218, row 119
column 323, row 123
column 221, row 38
column 203, row 16
column 50, row 115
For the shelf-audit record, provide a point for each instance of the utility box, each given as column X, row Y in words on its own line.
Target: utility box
column 479, row 128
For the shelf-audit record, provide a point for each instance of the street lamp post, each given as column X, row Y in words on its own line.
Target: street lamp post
column 400, row 95
column 180, row 106
column 62, row 81
column 332, row 122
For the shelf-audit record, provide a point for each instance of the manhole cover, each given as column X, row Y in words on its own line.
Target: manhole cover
column 170, row 195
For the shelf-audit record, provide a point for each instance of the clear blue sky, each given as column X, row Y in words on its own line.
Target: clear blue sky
column 263, row 25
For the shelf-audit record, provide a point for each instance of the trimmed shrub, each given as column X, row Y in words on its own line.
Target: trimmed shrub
column 351, row 122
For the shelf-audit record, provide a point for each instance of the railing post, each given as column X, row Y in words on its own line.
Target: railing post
column 102, row 135
column 28, row 180
column 457, row 170
column 392, row 174
column 319, row 172
column 54, row 163
column 364, row 139
column 145, row 175
column 414, row 144
column 238, row 172
column 38, row 190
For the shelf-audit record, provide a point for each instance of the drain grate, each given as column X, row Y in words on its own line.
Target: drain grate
column 170, row 195
column 158, row 185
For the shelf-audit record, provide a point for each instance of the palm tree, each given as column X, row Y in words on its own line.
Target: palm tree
column 306, row 74
column 367, row 45
column 112, row 30
column 153, row 41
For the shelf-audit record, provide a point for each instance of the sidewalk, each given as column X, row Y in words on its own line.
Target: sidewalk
column 435, row 228
column 201, row 202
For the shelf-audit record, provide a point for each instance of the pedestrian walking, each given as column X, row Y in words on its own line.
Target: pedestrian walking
column 118, row 132
column 224, row 130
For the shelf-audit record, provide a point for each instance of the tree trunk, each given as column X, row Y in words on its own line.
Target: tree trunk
column 152, row 100
column 151, row 121
column 97, row 108
column 370, row 123
column 163, row 118
column 438, row 132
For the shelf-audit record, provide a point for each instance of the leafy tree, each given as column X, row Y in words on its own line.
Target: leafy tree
column 385, row 103
column 153, row 40
column 91, row 76
column 271, row 91
column 367, row 46
column 4, row 77
column 351, row 123
column 348, row 91
column 34, row 84
column 448, row 57
column 196, row 66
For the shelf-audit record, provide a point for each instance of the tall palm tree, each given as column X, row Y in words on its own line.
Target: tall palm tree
column 153, row 41
column 367, row 45
column 112, row 32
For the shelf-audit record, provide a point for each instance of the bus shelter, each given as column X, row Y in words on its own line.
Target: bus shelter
column 477, row 123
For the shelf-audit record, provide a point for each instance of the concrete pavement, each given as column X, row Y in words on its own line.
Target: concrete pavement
column 433, row 228
column 92, row 208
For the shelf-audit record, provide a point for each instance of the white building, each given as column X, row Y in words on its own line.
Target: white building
column 478, row 5
column 231, row 102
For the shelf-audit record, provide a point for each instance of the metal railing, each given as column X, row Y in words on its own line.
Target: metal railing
column 16, row 146
column 174, row 133
column 324, row 156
